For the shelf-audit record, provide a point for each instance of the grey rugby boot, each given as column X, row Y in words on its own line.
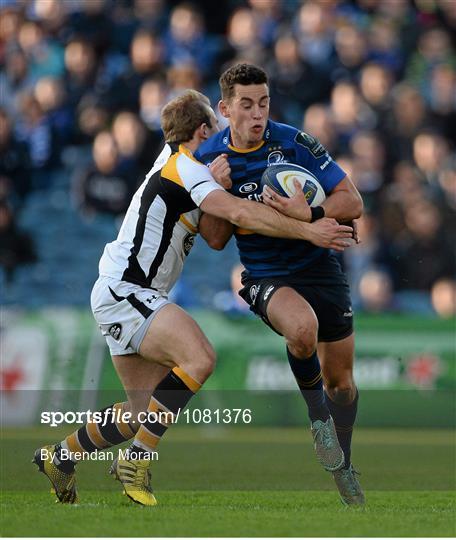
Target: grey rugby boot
column 350, row 491
column 326, row 444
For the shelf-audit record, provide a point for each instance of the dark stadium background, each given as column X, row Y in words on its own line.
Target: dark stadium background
column 82, row 84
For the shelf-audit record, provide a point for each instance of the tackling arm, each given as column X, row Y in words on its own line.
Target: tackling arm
column 267, row 221
column 216, row 231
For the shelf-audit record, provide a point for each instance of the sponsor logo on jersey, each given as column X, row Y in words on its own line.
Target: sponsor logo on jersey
column 248, row 188
column 326, row 163
column 253, row 292
column 268, row 292
column 275, row 157
column 348, row 313
column 115, row 330
column 188, row 242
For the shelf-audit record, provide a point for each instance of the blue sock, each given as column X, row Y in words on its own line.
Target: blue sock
column 344, row 418
column 307, row 373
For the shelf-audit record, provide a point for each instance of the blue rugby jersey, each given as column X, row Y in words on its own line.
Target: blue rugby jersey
column 264, row 256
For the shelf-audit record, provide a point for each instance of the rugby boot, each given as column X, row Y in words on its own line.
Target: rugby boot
column 63, row 484
column 327, row 447
column 350, row 491
column 134, row 474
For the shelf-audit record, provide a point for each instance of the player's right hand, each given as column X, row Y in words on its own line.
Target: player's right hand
column 221, row 171
column 327, row 233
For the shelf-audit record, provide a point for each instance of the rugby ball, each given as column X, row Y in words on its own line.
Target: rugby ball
column 280, row 176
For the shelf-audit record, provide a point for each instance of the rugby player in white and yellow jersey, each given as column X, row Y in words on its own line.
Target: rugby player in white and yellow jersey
column 159, row 352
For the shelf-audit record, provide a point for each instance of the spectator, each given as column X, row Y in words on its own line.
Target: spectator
column 349, row 112
column 14, row 79
column 91, row 22
column 243, row 37
column 376, row 291
column 152, row 15
column 153, row 96
column 443, row 297
column 181, row 77
column 49, row 93
column 35, row 130
column 434, row 48
column 351, row 53
column 375, row 84
column 136, row 150
column 187, row 41
column 81, row 70
column 16, row 247
column 44, row 55
column 14, row 163
column 369, row 164
column 430, row 151
column 384, row 46
column 319, row 123
column 423, row 252
column 268, row 16
column 105, row 186
column 92, row 117
column 313, row 28
column 146, row 55
column 289, row 77
column 408, row 116
column 442, row 100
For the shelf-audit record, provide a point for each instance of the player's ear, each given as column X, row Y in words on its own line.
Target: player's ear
column 203, row 131
column 223, row 108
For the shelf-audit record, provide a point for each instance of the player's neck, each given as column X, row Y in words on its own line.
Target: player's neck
column 191, row 145
column 239, row 142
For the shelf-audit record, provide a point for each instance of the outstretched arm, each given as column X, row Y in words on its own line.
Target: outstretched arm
column 263, row 220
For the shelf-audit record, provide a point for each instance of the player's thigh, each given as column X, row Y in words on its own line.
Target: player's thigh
column 175, row 339
column 336, row 359
column 139, row 377
column 292, row 316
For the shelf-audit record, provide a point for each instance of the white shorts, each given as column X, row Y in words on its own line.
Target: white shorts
column 124, row 312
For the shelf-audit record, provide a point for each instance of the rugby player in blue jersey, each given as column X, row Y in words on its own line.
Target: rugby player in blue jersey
column 296, row 287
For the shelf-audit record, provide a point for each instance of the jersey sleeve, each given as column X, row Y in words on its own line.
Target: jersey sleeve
column 196, row 178
column 313, row 156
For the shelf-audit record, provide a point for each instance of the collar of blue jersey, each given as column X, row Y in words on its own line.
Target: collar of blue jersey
column 266, row 137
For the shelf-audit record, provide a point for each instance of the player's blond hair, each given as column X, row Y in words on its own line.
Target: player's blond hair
column 184, row 114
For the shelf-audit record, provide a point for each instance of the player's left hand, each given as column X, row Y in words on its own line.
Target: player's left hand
column 296, row 206
column 221, row 171
column 354, row 225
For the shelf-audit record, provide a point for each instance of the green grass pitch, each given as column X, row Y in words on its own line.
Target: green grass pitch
column 241, row 482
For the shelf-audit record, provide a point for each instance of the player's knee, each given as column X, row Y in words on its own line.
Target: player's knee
column 343, row 392
column 205, row 364
column 302, row 343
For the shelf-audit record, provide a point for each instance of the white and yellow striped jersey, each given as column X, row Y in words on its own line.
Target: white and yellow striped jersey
column 161, row 222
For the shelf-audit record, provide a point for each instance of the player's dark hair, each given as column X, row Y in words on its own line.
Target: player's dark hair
column 243, row 74
column 184, row 114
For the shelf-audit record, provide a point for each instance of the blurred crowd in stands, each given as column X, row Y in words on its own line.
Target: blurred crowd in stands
column 83, row 83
